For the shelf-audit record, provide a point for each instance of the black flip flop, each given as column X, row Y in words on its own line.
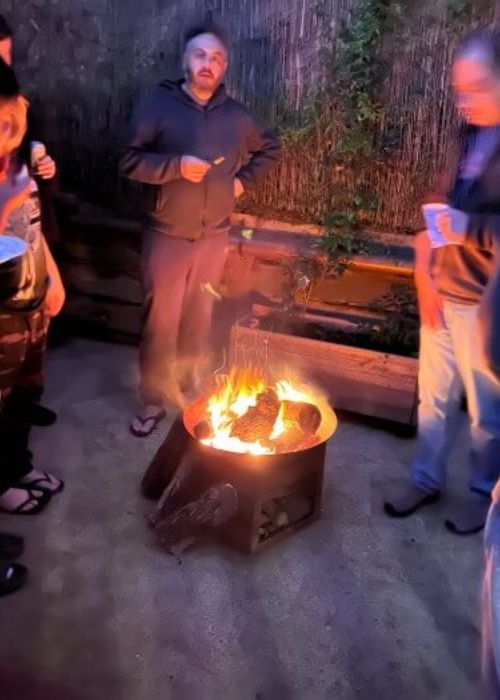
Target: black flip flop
column 157, row 418
column 12, row 578
column 36, row 485
column 11, row 546
column 41, row 502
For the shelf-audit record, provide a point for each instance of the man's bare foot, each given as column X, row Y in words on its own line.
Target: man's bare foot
column 22, row 501
column 147, row 420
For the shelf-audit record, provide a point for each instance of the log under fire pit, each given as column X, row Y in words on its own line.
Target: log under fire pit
column 244, row 463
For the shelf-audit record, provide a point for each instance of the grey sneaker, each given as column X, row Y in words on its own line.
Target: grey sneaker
column 469, row 517
column 409, row 499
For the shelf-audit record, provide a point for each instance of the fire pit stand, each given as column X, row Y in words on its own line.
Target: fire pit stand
column 276, row 494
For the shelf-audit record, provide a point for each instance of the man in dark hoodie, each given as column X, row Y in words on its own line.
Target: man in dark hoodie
column 200, row 150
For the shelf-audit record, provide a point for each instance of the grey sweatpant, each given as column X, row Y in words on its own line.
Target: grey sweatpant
column 178, row 311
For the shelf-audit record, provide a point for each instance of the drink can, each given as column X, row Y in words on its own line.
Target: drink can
column 431, row 213
column 38, row 152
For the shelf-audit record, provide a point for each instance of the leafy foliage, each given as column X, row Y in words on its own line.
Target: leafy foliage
column 358, row 73
column 343, row 238
column 464, row 14
column 400, row 326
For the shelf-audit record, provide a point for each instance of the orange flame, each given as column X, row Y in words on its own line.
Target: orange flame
column 235, row 394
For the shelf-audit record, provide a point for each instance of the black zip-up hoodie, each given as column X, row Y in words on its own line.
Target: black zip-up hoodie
column 169, row 124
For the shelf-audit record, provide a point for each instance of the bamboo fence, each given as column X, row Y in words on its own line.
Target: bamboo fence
column 84, row 63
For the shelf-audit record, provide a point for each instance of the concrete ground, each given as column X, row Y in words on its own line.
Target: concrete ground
column 356, row 606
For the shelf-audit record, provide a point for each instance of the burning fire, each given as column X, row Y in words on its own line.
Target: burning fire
column 247, row 413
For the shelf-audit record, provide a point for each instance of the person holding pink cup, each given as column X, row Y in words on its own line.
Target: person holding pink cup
column 452, row 275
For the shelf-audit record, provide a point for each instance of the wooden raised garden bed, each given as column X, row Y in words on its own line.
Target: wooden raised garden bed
column 362, row 381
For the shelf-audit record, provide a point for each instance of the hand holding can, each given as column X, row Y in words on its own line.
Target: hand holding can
column 38, row 151
column 432, row 213
column 42, row 165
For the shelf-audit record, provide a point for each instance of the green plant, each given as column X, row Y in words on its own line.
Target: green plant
column 350, row 94
column 400, row 326
column 296, row 128
column 457, row 9
column 397, row 332
column 400, row 299
column 462, row 14
column 342, row 246
column 343, row 237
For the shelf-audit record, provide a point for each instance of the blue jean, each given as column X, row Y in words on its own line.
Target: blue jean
column 491, row 600
column 451, row 362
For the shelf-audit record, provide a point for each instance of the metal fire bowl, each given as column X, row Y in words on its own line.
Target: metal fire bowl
column 195, row 412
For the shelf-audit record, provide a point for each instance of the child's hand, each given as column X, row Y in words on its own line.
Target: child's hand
column 46, row 168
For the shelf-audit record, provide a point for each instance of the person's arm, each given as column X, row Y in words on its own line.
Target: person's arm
column 489, row 308
column 429, row 302
column 264, row 149
column 422, row 247
column 138, row 160
column 489, row 317
column 56, row 296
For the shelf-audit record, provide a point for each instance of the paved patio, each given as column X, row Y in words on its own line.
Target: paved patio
column 356, row 606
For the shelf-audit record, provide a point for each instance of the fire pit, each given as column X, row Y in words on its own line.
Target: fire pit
column 246, row 461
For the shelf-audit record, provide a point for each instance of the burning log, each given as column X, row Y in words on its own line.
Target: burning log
column 258, row 422
column 306, row 415
column 291, row 440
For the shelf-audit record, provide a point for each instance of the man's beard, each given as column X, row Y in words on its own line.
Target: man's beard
column 208, row 89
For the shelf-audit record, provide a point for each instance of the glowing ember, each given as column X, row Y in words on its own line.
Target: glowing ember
column 249, row 414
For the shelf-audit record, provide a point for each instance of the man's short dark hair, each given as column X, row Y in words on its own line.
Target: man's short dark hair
column 207, row 28
column 5, row 30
